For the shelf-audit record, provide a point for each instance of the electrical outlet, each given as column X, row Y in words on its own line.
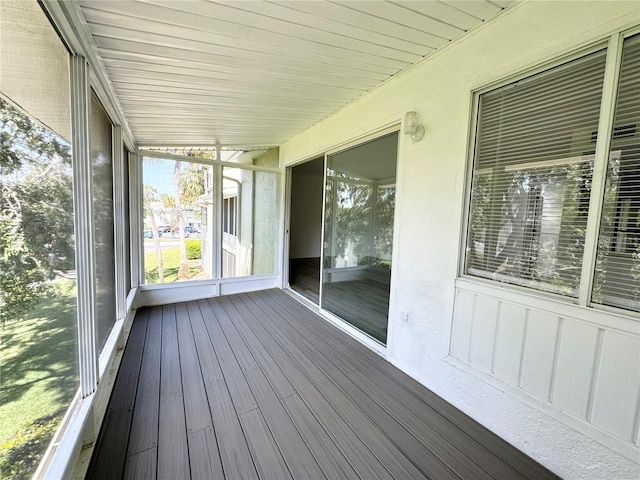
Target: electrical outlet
column 404, row 317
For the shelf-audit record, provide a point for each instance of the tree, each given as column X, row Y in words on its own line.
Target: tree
column 36, row 210
column 150, row 195
column 192, row 179
column 353, row 217
column 188, row 184
column 183, row 269
column 168, row 201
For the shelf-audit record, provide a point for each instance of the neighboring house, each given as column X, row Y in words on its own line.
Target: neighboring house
column 165, row 216
column 500, row 251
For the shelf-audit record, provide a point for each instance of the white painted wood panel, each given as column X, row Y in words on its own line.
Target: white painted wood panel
column 483, row 333
column 575, row 363
column 347, row 14
column 509, row 342
column 463, row 320
column 329, row 95
column 159, row 69
column 623, row 321
column 241, row 17
column 145, row 45
column 403, row 16
column 478, row 8
column 273, row 41
column 576, row 360
column 246, row 58
column 539, row 352
column 222, row 54
column 165, row 90
column 502, row 3
column 414, row 41
column 615, row 403
column 243, row 47
column 446, row 13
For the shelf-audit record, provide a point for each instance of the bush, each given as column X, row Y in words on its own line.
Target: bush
column 193, row 249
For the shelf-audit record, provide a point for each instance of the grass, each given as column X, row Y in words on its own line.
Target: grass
column 38, row 369
column 38, row 379
column 171, row 262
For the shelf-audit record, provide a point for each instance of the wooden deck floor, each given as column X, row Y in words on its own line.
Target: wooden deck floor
column 257, row 386
column 362, row 303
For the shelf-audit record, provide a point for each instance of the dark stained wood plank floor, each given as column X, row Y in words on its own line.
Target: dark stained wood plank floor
column 362, row 303
column 257, row 386
column 304, row 277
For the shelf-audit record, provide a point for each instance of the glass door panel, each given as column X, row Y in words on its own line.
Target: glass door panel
column 358, row 234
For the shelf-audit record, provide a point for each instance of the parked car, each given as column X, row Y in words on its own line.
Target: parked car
column 148, row 234
column 176, row 234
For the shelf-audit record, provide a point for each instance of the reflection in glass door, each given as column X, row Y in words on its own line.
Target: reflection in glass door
column 358, row 234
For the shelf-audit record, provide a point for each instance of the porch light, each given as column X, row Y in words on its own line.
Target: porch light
column 413, row 127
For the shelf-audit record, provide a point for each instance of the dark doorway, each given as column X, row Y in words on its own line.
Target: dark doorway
column 305, row 229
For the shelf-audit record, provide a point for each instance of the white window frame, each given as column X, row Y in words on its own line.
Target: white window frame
column 613, row 45
column 155, row 294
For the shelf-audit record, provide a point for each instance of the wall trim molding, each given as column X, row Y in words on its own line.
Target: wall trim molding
column 596, row 317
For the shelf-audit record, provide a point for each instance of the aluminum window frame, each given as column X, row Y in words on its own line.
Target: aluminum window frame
column 613, row 44
column 217, row 281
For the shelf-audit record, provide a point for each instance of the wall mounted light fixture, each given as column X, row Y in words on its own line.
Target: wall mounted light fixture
column 413, row 127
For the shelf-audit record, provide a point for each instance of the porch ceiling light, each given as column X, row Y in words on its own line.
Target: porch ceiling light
column 413, row 127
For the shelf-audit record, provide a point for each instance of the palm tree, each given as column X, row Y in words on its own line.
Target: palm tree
column 188, row 186
column 149, row 196
column 183, row 269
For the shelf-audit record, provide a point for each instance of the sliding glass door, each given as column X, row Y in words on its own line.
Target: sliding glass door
column 358, row 234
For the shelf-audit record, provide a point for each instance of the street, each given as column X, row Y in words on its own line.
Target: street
column 150, row 244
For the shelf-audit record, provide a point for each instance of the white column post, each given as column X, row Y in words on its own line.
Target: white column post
column 120, row 236
column 136, row 219
column 84, row 225
column 217, row 221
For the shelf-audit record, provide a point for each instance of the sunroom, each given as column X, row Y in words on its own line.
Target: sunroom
column 382, row 239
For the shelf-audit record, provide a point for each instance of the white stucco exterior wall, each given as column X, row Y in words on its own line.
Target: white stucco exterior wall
column 431, row 177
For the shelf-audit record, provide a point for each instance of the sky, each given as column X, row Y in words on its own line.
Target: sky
column 158, row 174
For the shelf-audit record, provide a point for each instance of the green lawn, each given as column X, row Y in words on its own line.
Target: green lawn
column 38, row 379
column 38, row 370
column 171, row 262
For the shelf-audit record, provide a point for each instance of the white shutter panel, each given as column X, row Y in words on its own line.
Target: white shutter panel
column 532, row 171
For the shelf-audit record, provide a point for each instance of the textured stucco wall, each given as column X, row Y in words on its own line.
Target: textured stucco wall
column 266, row 214
column 431, row 175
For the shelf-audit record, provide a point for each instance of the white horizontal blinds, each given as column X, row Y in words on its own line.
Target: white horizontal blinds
column 617, row 277
column 531, row 177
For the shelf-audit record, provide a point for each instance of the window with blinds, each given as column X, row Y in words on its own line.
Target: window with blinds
column 617, row 276
column 532, row 175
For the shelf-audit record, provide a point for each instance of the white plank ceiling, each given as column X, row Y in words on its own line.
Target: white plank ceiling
column 244, row 73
